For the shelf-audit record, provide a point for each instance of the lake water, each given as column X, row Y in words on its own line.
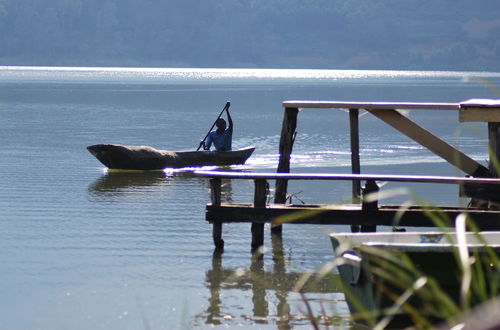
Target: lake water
column 82, row 248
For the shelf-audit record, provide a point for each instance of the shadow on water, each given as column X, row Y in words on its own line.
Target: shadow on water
column 273, row 292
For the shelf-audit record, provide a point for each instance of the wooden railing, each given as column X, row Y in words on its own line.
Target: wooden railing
column 349, row 177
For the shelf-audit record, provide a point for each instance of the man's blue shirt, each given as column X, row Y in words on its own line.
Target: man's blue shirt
column 222, row 142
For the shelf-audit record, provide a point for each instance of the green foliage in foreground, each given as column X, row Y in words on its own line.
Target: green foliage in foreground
column 427, row 299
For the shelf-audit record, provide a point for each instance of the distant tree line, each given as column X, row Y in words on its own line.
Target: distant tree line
column 333, row 34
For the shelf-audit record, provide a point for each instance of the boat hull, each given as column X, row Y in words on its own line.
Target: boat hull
column 116, row 156
column 432, row 254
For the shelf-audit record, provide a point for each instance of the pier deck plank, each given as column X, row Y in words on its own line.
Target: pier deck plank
column 347, row 214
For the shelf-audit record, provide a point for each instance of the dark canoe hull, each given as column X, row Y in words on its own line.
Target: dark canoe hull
column 431, row 253
column 116, row 156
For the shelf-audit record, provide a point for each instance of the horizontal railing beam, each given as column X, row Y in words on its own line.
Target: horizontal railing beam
column 347, row 177
column 347, row 215
column 370, row 105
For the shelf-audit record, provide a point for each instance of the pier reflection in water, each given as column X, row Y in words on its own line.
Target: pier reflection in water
column 278, row 296
column 261, row 292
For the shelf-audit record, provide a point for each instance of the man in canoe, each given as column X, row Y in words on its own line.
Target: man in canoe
column 222, row 137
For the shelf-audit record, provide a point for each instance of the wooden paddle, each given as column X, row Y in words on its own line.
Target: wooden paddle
column 228, row 104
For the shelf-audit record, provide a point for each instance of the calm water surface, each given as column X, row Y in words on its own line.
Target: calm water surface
column 82, row 248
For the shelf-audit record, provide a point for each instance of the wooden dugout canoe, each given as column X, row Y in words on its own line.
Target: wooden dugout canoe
column 116, row 156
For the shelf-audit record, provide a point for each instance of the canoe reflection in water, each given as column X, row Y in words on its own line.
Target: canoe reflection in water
column 115, row 182
column 118, row 180
column 286, row 309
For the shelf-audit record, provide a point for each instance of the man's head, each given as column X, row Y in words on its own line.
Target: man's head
column 221, row 124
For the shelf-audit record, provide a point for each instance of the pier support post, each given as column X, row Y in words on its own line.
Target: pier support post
column 288, row 132
column 259, row 201
column 494, row 145
column 369, row 203
column 216, row 191
column 355, row 163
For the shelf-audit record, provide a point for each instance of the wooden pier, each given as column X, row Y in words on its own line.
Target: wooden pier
column 365, row 214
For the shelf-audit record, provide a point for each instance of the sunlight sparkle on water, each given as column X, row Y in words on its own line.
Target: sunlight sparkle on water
column 161, row 75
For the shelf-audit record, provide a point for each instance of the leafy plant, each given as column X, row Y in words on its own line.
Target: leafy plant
column 412, row 294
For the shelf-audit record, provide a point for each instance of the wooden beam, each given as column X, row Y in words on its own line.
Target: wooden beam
column 369, row 203
column 351, row 214
column 285, row 150
column 288, row 132
column 216, row 191
column 260, row 193
column 355, row 162
column 370, row 105
column 494, row 147
column 345, row 176
column 479, row 115
column 429, row 140
column 260, row 197
column 482, row 110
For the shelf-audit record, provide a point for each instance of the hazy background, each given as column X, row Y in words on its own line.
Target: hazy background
column 323, row 34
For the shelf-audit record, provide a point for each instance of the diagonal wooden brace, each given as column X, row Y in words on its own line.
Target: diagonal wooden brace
column 430, row 141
